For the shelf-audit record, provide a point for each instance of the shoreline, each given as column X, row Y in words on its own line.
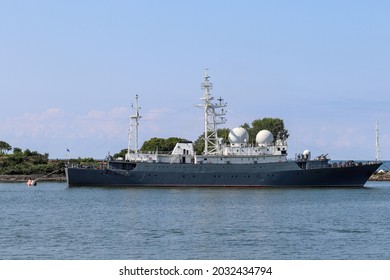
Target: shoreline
column 380, row 177
column 35, row 177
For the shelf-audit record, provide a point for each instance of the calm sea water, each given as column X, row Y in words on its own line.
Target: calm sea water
column 52, row 221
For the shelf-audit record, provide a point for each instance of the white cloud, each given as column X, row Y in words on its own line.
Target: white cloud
column 100, row 124
column 33, row 125
column 54, row 123
column 340, row 140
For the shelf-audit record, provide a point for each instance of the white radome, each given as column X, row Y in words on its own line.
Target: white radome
column 306, row 154
column 264, row 137
column 238, row 135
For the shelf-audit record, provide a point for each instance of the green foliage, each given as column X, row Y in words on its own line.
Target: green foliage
column 17, row 151
column 121, row 154
column 199, row 143
column 161, row 144
column 224, row 134
column 274, row 125
column 85, row 162
column 156, row 144
column 27, row 162
column 4, row 147
column 13, row 166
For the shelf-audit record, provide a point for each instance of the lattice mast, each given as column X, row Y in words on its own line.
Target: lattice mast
column 133, row 130
column 212, row 117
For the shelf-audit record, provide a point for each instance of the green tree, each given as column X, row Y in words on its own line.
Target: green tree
column 121, row 154
column 161, row 144
column 199, row 143
column 27, row 162
column 4, row 147
column 27, row 153
column 17, row 151
column 274, row 125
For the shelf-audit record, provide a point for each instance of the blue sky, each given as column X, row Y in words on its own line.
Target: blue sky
column 69, row 71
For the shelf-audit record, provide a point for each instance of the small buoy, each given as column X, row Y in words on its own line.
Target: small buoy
column 31, row 183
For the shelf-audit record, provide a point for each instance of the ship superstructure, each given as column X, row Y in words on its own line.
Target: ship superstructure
column 236, row 163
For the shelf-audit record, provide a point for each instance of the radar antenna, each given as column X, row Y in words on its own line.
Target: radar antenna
column 210, row 117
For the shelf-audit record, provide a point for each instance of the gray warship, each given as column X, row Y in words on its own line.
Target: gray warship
column 233, row 164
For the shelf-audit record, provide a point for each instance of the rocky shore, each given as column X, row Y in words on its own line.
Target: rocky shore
column 36, row 177
column 380, row 177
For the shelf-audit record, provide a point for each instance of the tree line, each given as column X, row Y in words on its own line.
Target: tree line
column 15, row 161
column 24, row 162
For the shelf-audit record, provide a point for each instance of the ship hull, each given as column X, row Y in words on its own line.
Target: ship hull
column 285, row 174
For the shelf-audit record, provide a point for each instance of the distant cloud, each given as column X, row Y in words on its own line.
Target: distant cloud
column 100, row 123
column 32, row 125
column 54, row 122
column 152, row 119
column 155, row 114
column 341, row 141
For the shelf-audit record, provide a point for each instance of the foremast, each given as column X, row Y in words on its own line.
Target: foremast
column 133, row 129
column 214, row 115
